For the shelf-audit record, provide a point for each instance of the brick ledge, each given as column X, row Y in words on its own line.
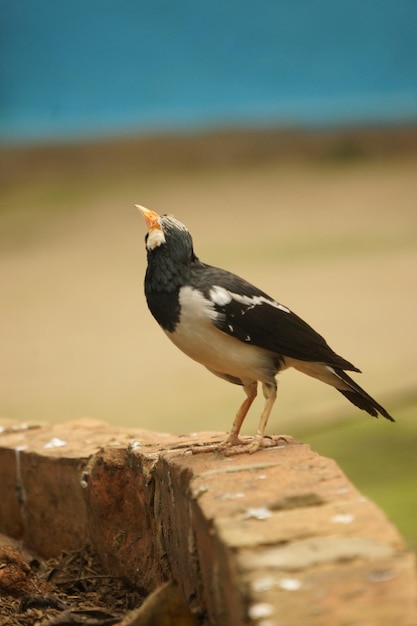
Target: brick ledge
column 279, row 537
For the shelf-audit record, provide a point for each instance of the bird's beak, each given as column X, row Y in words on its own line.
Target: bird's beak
column 151, row 218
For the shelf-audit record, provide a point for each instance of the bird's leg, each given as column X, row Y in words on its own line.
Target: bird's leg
column 233, row 444
column 270, row 394
column 232, row 438
column 259, row 441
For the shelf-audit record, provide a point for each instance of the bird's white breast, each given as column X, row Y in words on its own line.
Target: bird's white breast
column 198, row 337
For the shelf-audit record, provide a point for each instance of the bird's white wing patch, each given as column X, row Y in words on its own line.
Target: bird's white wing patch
column 195, row 305
column 222, row 297
column 253, row 301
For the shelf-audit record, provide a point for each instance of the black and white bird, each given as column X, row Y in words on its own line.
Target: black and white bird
column 234, row 329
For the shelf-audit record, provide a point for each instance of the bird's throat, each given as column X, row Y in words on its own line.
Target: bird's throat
column 155, row 239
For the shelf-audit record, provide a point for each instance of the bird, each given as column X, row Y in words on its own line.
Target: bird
column 237, row 331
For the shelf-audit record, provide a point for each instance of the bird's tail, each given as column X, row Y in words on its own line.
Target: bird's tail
column 338, row 378
column 359, row 397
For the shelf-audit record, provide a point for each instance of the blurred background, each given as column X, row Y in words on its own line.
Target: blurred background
column 285, row 136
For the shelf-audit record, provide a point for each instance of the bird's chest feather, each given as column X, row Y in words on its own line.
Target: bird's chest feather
column 197, row 336
column 165, row 308
column 162, row 285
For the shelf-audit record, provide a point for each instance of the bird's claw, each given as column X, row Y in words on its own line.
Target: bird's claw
column 235, row 445
column 253, row 444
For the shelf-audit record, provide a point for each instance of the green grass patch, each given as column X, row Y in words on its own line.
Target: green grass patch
column 381, row 460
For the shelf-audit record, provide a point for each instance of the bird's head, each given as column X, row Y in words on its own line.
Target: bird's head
column 167, row 235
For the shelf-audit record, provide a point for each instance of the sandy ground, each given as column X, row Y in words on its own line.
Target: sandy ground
column 335, row 241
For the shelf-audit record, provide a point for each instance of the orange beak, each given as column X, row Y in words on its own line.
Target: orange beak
column 151, row 218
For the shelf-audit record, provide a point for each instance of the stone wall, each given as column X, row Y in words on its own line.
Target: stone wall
column 280, row 537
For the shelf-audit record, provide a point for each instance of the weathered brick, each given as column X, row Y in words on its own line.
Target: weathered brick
column 277, row 538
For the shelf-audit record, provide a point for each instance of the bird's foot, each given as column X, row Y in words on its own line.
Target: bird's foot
column 234, row 445
column 230, row 441
column 253, row 444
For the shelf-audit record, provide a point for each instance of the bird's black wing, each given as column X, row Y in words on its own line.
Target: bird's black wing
column 250, row 315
